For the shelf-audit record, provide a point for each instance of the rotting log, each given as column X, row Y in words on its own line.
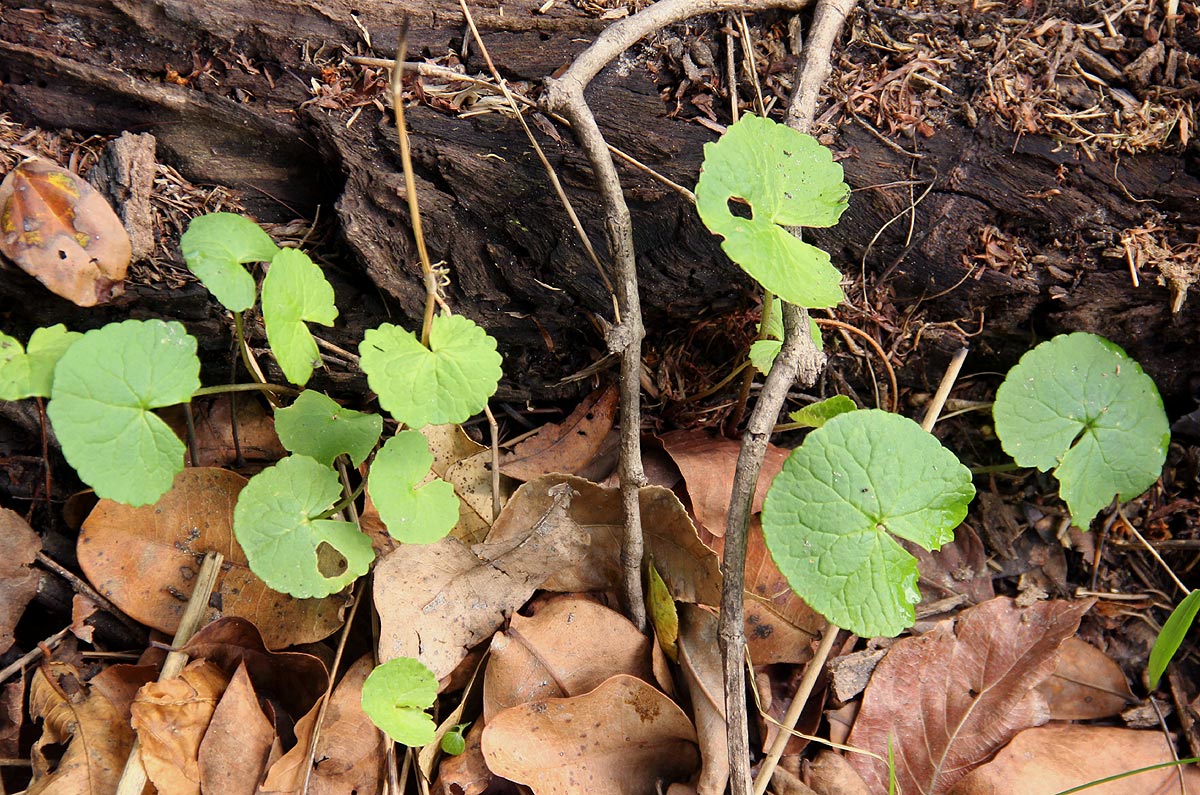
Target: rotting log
column 221, row 84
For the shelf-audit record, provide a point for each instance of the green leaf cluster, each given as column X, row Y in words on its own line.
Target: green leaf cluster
column 30, row 372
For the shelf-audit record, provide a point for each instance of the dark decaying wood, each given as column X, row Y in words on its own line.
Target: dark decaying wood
column 515, row 264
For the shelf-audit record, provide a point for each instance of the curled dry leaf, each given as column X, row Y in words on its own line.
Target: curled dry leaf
column 623, row 738
column 1087, row 684
column 437, row 601
column 977, row 688
column 92, row 724
column 567, row 648
column 1051, row 759
column 708, row 464
column 700, row 664
column 688, row 568
column 58, row 229
column 465, row 465
column 19, row 546
column 146, row 559
column 171, row 718
column 233, row 754
column 568, row 446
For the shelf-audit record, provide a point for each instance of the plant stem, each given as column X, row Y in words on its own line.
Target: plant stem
column 226, row 388
column 410, row 185
column 348, row 500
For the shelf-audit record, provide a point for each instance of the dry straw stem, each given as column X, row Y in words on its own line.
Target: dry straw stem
column 798, row 357
column 565, row 95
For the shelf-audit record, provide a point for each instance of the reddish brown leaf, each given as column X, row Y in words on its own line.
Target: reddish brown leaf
column 708, row 463
column 170, row 718
column 1052, row 759
column 12, row 716
column 57, row 228
column 567, row 648
column 951, row 698
column 233, row 753
column 623, row 738
column 568, row 446
column 1087, row 684
column 146, row 559
column 19, row 546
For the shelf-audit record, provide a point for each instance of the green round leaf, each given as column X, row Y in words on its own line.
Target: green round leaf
column 319, row 428
column 1171, row 636
column 30, row 373
column 444, row 384
column 453, row 742
column 295, row 291
column 105, row 386
column 215, row 246
column 821, row 412
column 830, row 515
column 1079, row 405
column 413, row 513
column 788, row 179
column 396, row 695
column 287, row 546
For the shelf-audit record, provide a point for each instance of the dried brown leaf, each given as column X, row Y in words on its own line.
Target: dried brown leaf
column 567, row 648
column 567, row 446
column 233, row 754
column 708, row 463
column 437, row 601
column 1050, row 759
column 951, row 698
column 146, row 559
column 701, row 667
column 623, row 738
column 1087, row 684
column 58, row 229
column 19, row 545
column 170, row 718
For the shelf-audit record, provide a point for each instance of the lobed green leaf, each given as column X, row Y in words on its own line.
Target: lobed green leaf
column 412, row 513
column 395, row 697
column 105, row 387
column 216, row 245
column 295, row 291
column 817, row 414
column 294, row 551
column 1079, row 405
column 315, row 426
column 446, row 383
column 830, row 515
column 30, row 372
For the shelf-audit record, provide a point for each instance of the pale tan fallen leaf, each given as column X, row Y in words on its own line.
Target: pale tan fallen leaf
column 831, row 774
column 59, row 230
column 84, row 719
column 568, row 446
column 437, row 601
column 233, row 754
column 623, row 738
column 350, row 749
column 701, row 667
column 567, row 648
column 146, row 559
column 170, row 718
column 19, row 545
column 952, row 697
column 82, row 608
column 466, row 465
column 689, row 568
column 708, row 463
column 1049, row 759
column 1087, row 684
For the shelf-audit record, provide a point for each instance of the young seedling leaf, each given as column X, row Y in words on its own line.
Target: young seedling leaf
column 788, row 179
column 1079, row 405
column 215, row 247
column 413, row 513
column 319, row 428
column 30, row 372
column 105, row 387
column 764, row 351
column 817, row 414
column 1171, row 637
column 396, row 695
column 295, row 291
column 446, row 383
column 287, row 545
column 831, row 513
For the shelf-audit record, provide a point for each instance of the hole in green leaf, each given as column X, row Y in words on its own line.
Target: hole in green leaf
column 739, row 208
column 330, row 562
